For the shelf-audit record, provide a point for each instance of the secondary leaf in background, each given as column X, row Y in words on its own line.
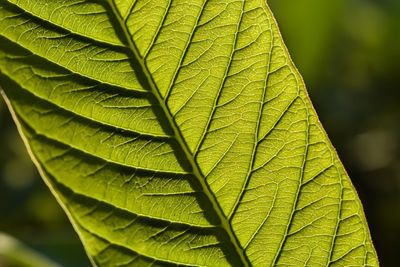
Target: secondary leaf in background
column 178, row 132
column 14, row 253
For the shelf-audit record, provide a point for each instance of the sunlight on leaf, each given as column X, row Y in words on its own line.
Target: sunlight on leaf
column 178, row 133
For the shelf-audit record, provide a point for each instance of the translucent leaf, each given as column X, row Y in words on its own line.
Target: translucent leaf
column 178, row 133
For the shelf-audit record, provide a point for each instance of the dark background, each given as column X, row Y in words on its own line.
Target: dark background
column 348, row 52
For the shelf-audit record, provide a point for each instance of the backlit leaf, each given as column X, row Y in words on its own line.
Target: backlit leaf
column 178, row 133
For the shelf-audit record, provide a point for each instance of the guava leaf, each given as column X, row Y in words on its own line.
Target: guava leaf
column 178, row 133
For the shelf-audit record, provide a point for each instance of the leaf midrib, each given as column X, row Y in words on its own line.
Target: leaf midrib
column 224, row 222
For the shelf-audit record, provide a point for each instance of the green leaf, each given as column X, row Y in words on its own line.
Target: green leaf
column 178, row 133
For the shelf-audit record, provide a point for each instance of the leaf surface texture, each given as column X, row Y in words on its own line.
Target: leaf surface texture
column 178, row 133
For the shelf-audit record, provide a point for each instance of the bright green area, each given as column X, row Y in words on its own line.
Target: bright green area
column 178, row 132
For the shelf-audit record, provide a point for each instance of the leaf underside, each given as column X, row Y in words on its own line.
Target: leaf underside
column 178, row 133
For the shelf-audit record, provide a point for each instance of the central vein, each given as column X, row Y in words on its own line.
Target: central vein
column 224, row 222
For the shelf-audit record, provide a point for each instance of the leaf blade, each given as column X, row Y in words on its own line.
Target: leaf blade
column 254, row 155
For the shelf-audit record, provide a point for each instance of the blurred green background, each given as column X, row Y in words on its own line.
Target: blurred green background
column 348, row 52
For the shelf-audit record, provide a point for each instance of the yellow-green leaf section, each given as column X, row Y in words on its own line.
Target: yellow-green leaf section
column 178, row 133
